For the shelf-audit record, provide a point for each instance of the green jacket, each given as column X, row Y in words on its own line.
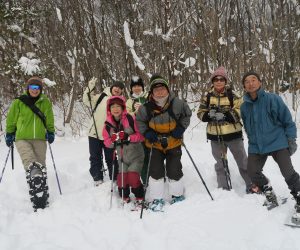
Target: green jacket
column 27, row 125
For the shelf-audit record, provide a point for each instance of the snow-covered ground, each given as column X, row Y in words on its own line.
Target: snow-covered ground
column 81, row 218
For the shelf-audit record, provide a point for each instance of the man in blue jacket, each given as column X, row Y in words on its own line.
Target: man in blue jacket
column 271, row 131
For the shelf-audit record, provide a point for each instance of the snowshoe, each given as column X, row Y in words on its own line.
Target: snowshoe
column 36, row 176
column 138, row 204
column 296, row 215
column 157, row 205
column 271, row 200
column 176, row 199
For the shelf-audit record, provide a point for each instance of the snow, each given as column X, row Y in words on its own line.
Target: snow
column 80, row 218
column 49, row 83
column 58, row 13
column 29, row 66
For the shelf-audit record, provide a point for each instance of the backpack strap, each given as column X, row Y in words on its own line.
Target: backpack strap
column 99, row 101
column 130, row 121
column 25, row 99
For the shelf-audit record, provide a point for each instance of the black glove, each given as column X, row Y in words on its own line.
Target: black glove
column 231, row 117
column 50, row 137
column 178, row 132
column 9, row 139
column 151, row 136
column 292, row 146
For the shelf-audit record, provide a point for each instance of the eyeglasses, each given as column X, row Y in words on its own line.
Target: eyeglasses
column 221, row 79
column 34, row 87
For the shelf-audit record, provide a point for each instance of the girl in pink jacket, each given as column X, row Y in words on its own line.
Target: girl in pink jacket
column 121, row 132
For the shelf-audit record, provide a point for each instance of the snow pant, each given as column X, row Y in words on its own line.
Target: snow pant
column 96, row 148
column 237, row 149
column 172, row 169
column 282, row 157
column 32, row 151
column 130, row 180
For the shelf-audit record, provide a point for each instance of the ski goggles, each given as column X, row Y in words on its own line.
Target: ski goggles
column 34, row 87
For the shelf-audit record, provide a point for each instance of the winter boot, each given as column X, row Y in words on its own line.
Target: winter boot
column 253, row 189
column 271, row 199
column 296, row 215
column 157, row 205
column 36, row 176
column 176, row 199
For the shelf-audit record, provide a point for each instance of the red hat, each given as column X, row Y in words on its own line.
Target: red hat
column 221, row 71
column 120, row 100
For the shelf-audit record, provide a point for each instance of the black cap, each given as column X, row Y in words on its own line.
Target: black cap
column 136, row 81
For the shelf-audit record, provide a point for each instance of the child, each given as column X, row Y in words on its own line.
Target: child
column 121, row 133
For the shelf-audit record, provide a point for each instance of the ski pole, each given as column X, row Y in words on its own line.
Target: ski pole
column 55, row 169
column 112, row 177
column 197, row 170
column 122, row 170
column 5, row 164
column 12, row 156
column 147, row 180
column 223, row 156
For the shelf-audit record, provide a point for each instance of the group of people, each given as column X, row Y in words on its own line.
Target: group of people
column 141, row 138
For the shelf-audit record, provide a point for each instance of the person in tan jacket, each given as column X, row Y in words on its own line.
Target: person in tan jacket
column 220, row 108
column 97, row 104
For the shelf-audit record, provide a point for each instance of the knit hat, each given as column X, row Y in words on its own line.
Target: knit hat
column 221, row 71
column 156, row 80
column 118, row 84
column 136, row 81
column 250, row 73
column 116, row 100
column 35, row 80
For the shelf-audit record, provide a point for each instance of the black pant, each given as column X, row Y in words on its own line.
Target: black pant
column 256, row 163
column 96, row 148
column 173, row 169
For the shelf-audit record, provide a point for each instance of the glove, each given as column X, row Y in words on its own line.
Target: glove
column 9, row 139
column 231, row 117
column 137, row 105
column 114, row 137
column 92, row 83
column 292, row 146
column 50, row 137
column 178, row 132
column 220, row 116
column 151, row 136
column 123, row 136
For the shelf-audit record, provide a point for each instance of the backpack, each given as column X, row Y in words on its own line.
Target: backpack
column 229, row 96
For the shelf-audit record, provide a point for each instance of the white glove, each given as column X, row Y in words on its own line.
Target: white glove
column 137, row 105
column 92, row 83
column 220, row 116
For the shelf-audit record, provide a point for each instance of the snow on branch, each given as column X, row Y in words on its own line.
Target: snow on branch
column 29, row 66
column 130, row 43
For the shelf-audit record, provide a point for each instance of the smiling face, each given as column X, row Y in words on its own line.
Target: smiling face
column 252, row 84
column 219, row 83
column 34, row 90
column 116, row 91
column 116, row 110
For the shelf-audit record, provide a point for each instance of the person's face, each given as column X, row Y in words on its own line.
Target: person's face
column 160, row 92
column 116, row 110
column 116, row 91
column 137, row 89
column 34, row 90
column 252, row 84
column 219, row 83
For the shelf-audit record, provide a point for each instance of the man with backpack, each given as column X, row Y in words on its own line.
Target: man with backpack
column 162, row 121
column 97, row 104
column 30, row 123
column 220, row 108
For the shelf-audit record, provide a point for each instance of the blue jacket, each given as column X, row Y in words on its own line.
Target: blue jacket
column 268, row 123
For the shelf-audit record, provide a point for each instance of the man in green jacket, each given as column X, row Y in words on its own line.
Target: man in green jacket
column 30, row 134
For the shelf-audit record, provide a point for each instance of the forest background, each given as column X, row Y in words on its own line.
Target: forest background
column 67, row 42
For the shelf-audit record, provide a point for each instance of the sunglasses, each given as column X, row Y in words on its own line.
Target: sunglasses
column 34, row 87
column 221, row 79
